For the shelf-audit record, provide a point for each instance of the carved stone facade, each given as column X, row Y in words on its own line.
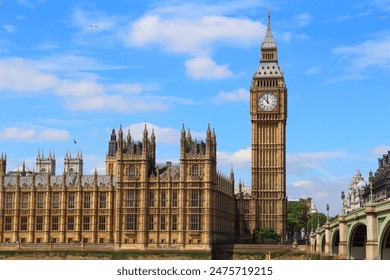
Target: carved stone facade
column 136, row 205
column 139, row 204
column 268, row 113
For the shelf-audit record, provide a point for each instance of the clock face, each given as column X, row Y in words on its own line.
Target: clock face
column 267, row 101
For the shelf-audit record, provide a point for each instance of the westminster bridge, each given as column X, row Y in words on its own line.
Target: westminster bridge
column 360, row 234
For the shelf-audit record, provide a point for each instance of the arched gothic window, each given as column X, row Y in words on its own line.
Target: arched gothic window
column 195, row 171
column 132, row 170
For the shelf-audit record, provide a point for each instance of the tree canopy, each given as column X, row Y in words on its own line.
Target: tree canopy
column 297, row 217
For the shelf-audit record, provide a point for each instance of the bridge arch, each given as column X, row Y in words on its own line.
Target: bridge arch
column 384, row 241
column 357, row 242
column 335, row 238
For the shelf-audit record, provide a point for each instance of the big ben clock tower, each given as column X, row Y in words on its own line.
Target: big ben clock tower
column 268, row 111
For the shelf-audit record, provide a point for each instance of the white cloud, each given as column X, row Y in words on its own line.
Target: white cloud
column 13, row 133
column 286, row 36
column 33, row 134
column 194, row 37
column 53, row 135
column 380, row 150
column 370, row 53
column 9, row 28
column 206, row 68
column 322, row 191
column 303, row 19
column 93, row 21
column 301, row 163
column 20, row 76
column 301, row 183
column 48, row 45
column 382, row 5
column 233, row 96
column 348, row 16
column 70, row 63
column 198, row 9
column 239, row 159
column 84, row 93
column 314, row 70
column 30, row 3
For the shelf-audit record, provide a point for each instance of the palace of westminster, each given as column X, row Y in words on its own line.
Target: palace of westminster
column 139, row 204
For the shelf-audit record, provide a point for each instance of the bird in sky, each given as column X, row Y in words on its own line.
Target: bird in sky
column 93, row 26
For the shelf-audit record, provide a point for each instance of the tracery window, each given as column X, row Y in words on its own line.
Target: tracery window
column 195, row 171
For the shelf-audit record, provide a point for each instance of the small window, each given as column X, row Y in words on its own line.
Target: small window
column 174, row 199
column 132, row 171
column 151, row 222
column 174, row 222
column 24, row 200
column 87, row 200
column 103, row 200
column 102, row 222
column 195, row 171
column 151, row 199
column 163, row 199
column 41, row 200
column 56, row 200
column 70, row 222
column 86, row 222
column 130, row 223
column 23, row 223
column 54, row 222
column 71, row 201
column 9, row 204
column 130, row 198
column 39, row 223
column 162, row 222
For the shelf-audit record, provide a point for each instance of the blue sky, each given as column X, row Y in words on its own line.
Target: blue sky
column 76, row 69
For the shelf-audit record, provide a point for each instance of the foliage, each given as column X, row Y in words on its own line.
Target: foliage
column 266, row 235
column 297, row 217
column 316, row 220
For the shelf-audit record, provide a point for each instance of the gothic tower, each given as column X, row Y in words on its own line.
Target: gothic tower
column 128, row 159
column 268, row 113
column 198, row 172
column 3, row 164
column 73, row 165
column 46, row 165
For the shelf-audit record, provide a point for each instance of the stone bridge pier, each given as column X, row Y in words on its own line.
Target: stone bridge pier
column 360, row 234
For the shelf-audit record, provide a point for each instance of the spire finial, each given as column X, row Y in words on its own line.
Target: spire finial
column 269, row 15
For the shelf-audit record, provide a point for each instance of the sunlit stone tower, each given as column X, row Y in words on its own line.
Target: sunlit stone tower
column 268, row 113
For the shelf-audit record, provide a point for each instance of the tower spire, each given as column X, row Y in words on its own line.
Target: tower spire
column 269, row 42
column 269, row 16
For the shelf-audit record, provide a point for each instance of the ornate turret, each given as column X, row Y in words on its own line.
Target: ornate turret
column 45, row 165
column 73, row 165
column 3, row 164
column 120, row 139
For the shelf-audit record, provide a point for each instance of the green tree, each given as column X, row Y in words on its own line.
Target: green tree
column 297, row 217
column 316, row 220
column 266, row 235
